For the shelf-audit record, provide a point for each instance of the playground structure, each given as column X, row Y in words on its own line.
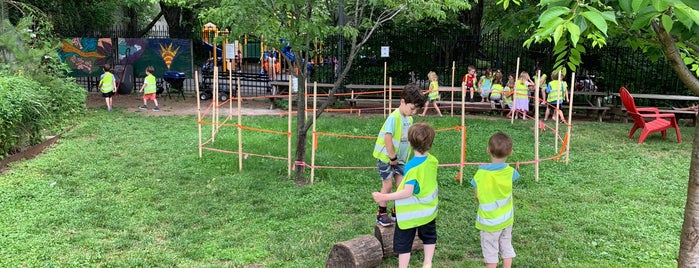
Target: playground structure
column 216, row 122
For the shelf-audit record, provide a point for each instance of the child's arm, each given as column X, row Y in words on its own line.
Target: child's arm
column 388, row 141
column 405, row 193
column 143, row 86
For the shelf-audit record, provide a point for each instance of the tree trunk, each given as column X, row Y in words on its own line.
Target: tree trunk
column 301, row 128
column 689, row 253
column 385, row 236
column 363, row 251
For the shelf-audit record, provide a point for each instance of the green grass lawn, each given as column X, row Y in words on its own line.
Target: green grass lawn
column 127, row 190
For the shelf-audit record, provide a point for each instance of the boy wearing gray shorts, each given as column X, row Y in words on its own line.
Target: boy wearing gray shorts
column 493, row 192
column 392, row 147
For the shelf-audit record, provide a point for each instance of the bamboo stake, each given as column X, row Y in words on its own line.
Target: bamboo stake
column 453, row 69
column 514, row 95
column 536, row 125
column 463, row 138
column 385, row 66
column 570, row 117
column 390, row 94
column 240, row 129
column 288, row 129
column 214, row 109
column 196, row 88
column 558, row 107
column 315, row 138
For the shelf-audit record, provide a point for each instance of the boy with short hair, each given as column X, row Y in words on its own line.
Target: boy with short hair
column 468, row 82
column 416, row 198
column 493, row 193
column 149, row 89
column 392, row 147
column 107, row 85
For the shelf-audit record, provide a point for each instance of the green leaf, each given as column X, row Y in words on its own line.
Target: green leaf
column 691, row 13
column 574, row 31
column 688, row 61
column 637, row 4
column 684, row 17
column 609, row 16
column 667, row 22
column 558, row 33
column 660, row 6
column 644, row 17
column 694, row 4
column 550, row 14
column 597, row 19
column 625, row 6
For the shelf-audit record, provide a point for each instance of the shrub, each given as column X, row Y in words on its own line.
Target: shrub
column 22, row 110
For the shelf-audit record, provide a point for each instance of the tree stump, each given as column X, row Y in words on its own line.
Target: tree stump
column 361, row 252
column 385, row 237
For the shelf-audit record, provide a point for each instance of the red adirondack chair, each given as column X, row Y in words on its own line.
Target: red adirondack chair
column 648, row 119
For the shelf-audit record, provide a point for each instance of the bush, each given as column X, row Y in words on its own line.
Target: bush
column 22, row 110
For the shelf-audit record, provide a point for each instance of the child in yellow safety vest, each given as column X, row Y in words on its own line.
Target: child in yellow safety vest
column 107, row 85
column 493, row 192
column 392, row 148
column 557, row 93
column 149, row 89
column 416, row 198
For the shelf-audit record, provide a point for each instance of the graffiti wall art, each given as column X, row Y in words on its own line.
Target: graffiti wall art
column 86, row 56
column 163, row 54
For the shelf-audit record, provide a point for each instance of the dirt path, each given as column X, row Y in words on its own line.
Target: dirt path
column 175, row 106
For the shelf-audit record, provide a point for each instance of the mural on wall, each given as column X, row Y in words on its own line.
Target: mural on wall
column 163, row 54
column 86, row 56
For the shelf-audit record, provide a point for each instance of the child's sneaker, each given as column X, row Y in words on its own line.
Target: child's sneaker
column 383, row 219
column 143, row 107
column 156, row 109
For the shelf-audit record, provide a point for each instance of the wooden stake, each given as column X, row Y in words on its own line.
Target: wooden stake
column 196, row 89
column 536, row 125
column 240, row 124
column 453, row 69
column 315, row 138
column 570, row 116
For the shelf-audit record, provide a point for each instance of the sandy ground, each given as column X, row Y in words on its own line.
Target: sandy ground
column 177, row 106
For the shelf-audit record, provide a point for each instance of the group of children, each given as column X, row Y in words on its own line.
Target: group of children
column 416, row 196
column 514, row 94
column 108, row 87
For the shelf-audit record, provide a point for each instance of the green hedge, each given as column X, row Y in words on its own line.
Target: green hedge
column 28, row 109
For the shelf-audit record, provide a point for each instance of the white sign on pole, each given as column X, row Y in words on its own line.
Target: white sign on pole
column 231, row 51
column 384, row 51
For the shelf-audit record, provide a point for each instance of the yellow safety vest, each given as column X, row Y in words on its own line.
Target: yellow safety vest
column 556, row 92
column 496, row 90
column 150, row 85
column 495, row 206
column 521, row 90
column 107, row 83
column 421, row 208
column 434, row 86
column 380, row 146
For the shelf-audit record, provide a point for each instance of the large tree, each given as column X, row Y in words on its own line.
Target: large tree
column 668, row 28
column 297, row 23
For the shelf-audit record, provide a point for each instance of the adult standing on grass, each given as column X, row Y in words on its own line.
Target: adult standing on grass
column 149, row 88
column 107, row 85
column 493, row 192
column 392, row 147
column 416, row 198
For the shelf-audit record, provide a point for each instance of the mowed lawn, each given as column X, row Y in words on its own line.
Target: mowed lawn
column 128, row 190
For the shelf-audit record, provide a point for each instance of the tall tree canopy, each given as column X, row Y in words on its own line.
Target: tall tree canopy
column 299, row 22
column 668, row 28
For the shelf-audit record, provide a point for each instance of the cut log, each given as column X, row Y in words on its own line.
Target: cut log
column 385, row 237
column 361, row 252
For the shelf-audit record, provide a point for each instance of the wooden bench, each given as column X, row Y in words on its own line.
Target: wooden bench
column 681, row 114
column 601, row 110
column 281, row 87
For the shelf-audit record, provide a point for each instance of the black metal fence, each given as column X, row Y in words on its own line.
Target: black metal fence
column 418, row 51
